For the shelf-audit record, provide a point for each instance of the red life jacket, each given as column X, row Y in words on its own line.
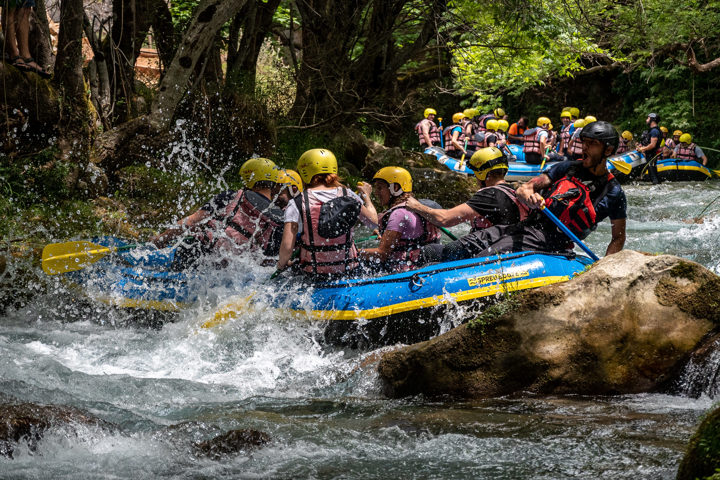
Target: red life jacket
column 447, row 133
column 532, row 141
column 564, row 139
column 245, row 226
column 481, row 222
column 575, row 147
column 686, row 152
column 570, row 199
column 406, row 251
column 622, row 146
column 319, row 255
column 433, row 132
column 501, row 138
column 484, row 118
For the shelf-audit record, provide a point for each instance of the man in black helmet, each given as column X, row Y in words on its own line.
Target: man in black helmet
column 581, row 193
column 651, row 140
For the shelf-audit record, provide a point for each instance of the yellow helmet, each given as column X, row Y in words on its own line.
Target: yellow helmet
column 550, row 127
column 565, row 114
column 685, row 138
column 499, row 112
column 394, row 175
column 492, row 124
column 677, row 133
column 589, row 119
column 457, row 117
column 542, row 121
column 579, row 123
column 315, row 162
column 290, row 177
column 429, row 111
column 574, row 111
column 664, row 129
column 627, row 135
column 503, row 125
column 487, row 159
column 469, row 113
column 258, row 170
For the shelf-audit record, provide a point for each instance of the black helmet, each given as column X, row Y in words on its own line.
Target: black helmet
column 602, row 131
column 654, row 117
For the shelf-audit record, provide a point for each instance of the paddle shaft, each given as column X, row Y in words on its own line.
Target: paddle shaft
column 542, row 165
column 442, row 139
column 567, row 232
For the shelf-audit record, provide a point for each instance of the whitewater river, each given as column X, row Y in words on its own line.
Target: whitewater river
column 166, row 389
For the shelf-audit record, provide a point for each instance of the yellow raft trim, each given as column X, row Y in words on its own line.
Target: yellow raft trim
column 160, row 305
column 705, row 171
column 429, row 301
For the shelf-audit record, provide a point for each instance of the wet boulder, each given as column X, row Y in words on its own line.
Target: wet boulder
column 26, row 423
column 702, row 458
column 624, row 326
column 232, row 442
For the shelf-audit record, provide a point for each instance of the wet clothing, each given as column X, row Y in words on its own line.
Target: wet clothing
column 537, row 232
column 415, row 232
column 320, row 255
column 495, row 206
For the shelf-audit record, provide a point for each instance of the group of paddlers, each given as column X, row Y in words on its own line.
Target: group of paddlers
column 471, row 131
column 305, row 219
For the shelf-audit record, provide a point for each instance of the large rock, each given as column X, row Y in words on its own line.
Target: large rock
column 625, row 326
column 27, row 423
column 702, row 458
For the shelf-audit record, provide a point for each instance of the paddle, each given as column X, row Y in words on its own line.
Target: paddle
column 442, row 139
column 620, row 166
column 542, row 165
column 567, row 232
column 73, row 256
column 462, row 159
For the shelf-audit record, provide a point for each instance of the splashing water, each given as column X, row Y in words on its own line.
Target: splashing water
column 166, row 389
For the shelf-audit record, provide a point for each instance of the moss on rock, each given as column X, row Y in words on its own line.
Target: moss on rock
column 702, row 458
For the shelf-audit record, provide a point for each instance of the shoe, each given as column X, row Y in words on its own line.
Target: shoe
column 39, row 70
column 19, row 63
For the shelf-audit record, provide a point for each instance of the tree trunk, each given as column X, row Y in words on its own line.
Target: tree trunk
column 40, row 37
column 164, row 31
column 75, row 132
column 242, row 66
column 211, row 15
column 123, row 57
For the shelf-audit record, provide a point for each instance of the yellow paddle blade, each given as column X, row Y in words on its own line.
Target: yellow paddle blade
column 71, row 256
column 620, row 166
column 227, row 312
column 716, row 172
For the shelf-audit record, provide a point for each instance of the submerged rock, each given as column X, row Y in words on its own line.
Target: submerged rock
column 625, row 326
column 702, row 458
column 26, row 423
column 232, row 442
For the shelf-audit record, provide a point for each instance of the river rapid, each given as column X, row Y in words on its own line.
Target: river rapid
column 324, row 408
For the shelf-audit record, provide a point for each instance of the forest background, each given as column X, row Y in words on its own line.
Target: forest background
column 273, row 78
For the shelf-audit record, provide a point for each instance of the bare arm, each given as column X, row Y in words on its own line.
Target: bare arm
column 287, row 245
column 650, row 146
column 368, row 209
column 454, row 140
column 528, row 192
column 387, row 242
column 442, row 217
column 165, row 238
column 618, row 236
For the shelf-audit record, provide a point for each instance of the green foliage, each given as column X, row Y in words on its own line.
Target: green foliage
column 493, row 312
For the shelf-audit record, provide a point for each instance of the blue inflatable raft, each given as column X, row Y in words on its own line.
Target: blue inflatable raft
column 519, row 171
column 405, row 307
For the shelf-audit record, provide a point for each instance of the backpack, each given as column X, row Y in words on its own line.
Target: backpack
column 338, row 216
column 570, row 201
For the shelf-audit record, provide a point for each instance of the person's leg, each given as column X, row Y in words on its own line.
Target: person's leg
column 22, row 26
column 11, row 36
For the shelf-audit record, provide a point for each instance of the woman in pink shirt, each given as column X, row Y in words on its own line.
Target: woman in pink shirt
column 402, row 232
